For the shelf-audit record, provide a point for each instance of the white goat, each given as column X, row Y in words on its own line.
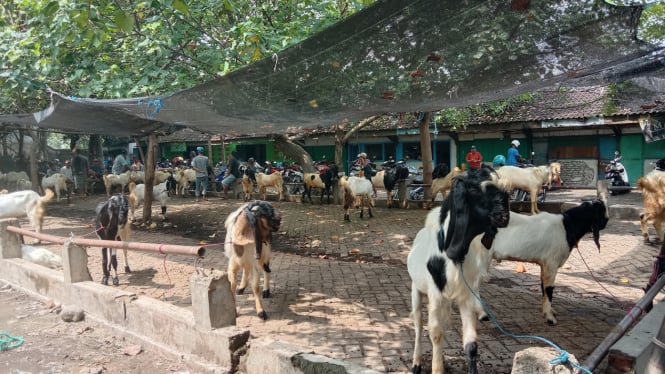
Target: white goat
column 248, row 246
column 56, row 181
column 111, row 180
column 527, row 179
column 547, row 239
column 184, row 177
column 160, row 193
column 653, row 198
column 25, row 204
column 357, row 191
column 273, row 180
column 441, row 262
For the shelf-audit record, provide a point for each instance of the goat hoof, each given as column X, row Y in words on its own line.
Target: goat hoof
column 416, row 369
column 105, row 280
column 265, row 294
column 240, row 291
column 116, row 281
column 128, row 270
column 263, row 315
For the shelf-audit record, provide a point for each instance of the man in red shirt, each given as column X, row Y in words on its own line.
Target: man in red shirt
column 474, row 158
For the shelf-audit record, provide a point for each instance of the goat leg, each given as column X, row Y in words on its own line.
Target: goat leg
column 114, row 263
column 105, row 268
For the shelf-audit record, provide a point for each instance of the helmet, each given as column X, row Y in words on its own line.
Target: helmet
column 515, row 142
column 199, row 149
column 251, row 159
column 363, row 155
column 499, row 160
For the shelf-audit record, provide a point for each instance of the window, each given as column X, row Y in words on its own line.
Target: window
column 374, row 151
column 412, row 151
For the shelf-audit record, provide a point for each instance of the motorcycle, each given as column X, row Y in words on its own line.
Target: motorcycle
column 616, row 176
column 658, row 165
column 294, row 177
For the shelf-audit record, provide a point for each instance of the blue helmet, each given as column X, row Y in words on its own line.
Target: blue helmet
column 499, row 160
column 199, row 149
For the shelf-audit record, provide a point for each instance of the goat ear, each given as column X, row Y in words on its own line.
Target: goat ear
column 242, row 231
column 459, row 220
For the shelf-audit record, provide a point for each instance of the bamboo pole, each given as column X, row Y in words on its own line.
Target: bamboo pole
column 135, row 246
column 601, row 351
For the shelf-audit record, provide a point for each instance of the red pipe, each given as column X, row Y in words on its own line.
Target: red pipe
column 147, row 247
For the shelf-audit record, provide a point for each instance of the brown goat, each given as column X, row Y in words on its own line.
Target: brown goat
column 653, row 194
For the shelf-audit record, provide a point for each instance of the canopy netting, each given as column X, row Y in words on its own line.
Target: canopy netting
column 395, row 56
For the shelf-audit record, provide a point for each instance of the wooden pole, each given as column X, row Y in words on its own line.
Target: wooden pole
column 426, row 156
column 149, row 176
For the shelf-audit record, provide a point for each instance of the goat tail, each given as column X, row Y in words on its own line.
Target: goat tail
column 48, row 196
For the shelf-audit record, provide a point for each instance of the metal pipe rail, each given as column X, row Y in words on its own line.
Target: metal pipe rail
column 603, row 348
column 135, row 246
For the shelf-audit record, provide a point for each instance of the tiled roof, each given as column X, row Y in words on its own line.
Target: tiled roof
column 189, row 135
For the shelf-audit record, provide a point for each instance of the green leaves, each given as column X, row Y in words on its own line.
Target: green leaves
column 124, row 20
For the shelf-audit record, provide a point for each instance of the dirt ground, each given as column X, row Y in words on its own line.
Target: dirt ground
column 51, row 345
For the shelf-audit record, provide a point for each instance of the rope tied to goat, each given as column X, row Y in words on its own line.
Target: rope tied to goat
column 8, row 342
column 563, row 357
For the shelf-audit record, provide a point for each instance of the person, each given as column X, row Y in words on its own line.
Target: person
column 474, row 158
column 232, row 172
column 513, row 156
column 200, row 166
column 499, row 161
column 251, row 164
column 66, row 170
column 80, row 168
column 136, row 164
column 120, row 163
column 96, row 170
column 52, row 169
column 362, row 160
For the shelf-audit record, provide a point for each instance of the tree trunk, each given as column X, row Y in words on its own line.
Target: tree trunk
column 295, row 151
column 149, row 176
column 95, row 147
column 426, row 156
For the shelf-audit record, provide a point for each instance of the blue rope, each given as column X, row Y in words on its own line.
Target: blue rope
column 8, row 342
column 563, row 355
column 157, row 104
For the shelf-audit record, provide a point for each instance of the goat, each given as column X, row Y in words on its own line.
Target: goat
column 324, row 181
column 25, row 204
column 184, row 177
column 160, row 193
column 357, row 191
column 555, row 167
column 388, row 178
column 112, row 223
column 248, row 184
column 528, row 179
column 441, row 261
column 161, row 176
column 58, row 182
column 443, row 184
column 547, row 239
column 653, row 198
column 273, row 180
column 111, row 180
column 248, row 246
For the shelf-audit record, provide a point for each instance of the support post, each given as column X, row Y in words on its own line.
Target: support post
column 402, row 194
column 213, row 303
column 10, row 242
column 74, row 263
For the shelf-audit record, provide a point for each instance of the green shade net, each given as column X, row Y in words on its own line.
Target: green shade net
column 395, row 56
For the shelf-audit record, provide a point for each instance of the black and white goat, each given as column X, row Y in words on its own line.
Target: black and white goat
column 112, row 223
column 324, row 181
column 547, row 239
column 248, row 246
column 160, row 193
column 441, row 262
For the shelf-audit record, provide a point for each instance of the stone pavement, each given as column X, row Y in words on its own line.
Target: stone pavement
column 342, row 290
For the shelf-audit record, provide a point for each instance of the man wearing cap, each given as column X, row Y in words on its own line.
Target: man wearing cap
column 67, row 172
column 474, row 158
column 200, row 166
column 513, row 156
column 80, row 168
